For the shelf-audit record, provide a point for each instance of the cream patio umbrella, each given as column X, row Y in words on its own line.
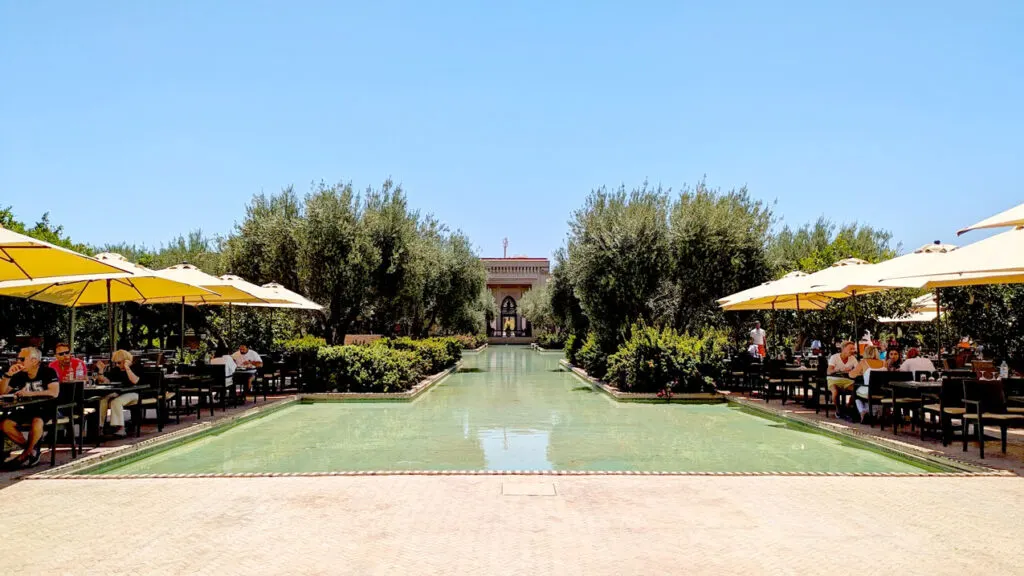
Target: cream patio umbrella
column 816, row 289
column 284, row 298
column 923, row 310
column 1011, row 218
column 131, row 283
column 227, row 290
column 25, row 258
column 295, row 301
column 997, row 259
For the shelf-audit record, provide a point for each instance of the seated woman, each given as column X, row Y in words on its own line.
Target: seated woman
column 120, row 372
column 893, row 360
column 870, row 362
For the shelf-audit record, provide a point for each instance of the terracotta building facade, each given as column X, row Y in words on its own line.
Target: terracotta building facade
column 508, row 279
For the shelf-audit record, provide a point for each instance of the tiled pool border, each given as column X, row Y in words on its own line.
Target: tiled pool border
column 76, row 470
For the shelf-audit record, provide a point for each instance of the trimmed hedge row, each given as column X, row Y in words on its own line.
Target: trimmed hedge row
column 386, row 365
column 471, row 341
column 654, row 360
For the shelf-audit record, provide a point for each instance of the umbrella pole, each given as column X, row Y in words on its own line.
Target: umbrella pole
column 855, row 338
column 71, row 332
column 181, row 331
column 110, row 321
column 938, row 326
column 231, row 325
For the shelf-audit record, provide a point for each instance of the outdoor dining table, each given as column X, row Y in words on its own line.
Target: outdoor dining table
column 805, row 374
column 912, row 386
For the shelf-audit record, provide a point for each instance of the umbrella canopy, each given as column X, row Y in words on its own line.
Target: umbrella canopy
column 998, row 259
column 1011, row 218
column 291, row 299
column 811, row 291
column 25, row 258
column 232, row 290
column 923, row 317
column 131, row 283
column 872, row 278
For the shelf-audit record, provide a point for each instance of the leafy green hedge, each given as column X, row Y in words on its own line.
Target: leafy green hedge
column 370, row 368
column 653, row 360
column 387, row 365
column 439, row 353
column 592, row 358
column 572, row 348
column 551, row 340
column 471, row 341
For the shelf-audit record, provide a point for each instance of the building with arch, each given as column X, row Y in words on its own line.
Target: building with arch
column 508, row 279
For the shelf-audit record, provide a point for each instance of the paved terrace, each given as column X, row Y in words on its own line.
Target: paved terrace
column 507, row 525
column 611, row 525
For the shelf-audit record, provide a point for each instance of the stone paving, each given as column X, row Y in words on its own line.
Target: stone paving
column 614, row 525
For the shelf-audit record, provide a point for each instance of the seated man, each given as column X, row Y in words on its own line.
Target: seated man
column 29, row 379
column 66, row 366
column 247, row 360
column 915, row 363
column 839, row 367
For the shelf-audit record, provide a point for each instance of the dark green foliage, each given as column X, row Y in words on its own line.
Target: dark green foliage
column 439, row 353
column 370, row 368
column 653, row 359
column 992, row 316
column 551, row 340
column 573, row 343
column 592, row 357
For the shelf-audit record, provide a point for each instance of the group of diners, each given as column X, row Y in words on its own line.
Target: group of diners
column 29, row 378
column 846, row 372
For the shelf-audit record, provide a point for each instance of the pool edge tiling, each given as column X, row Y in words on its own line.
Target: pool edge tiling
column 511, row 416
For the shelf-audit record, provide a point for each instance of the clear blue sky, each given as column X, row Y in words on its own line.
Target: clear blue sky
column 136, row 121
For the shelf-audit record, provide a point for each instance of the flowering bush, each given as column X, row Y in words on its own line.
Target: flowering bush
column 471, row 341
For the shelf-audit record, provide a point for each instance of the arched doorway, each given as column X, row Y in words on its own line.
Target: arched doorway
column 509, row 318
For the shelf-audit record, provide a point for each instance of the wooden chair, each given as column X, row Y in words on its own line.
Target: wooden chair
column 939, row 410
column 67, row 409
column 155, row 397
column 986, row 406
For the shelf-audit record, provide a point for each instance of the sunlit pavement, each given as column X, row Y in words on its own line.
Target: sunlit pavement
column 466, row 525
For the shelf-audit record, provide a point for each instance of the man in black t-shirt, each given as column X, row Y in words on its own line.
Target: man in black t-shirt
column 28, row 378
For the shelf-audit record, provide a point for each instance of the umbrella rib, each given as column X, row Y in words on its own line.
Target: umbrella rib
column 47, row 287
column 11, row 259
column 79, row 297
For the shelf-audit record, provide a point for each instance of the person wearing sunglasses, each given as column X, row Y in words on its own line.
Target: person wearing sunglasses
column 29, row 379
column 67, row 367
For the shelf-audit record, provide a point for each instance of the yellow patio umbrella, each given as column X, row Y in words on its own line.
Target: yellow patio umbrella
column 1011, row 218
column 131, row 283
column 25, row 258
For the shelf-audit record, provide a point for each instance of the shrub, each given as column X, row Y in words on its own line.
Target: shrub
column 592, row 358
column 355, row 368
column 471, row 341
column 572, row 348
column 437, row 352
column 551, row 340
column 307, row 345
column 653, row 360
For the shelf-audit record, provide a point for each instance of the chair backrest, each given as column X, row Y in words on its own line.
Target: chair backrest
column 989, row 393
column 1013, row 386
column 984, row 369
column 212, row 372
column 881, row 378
column 924, row 375
column 152, row 377
column 952, row 393
column 72, row 392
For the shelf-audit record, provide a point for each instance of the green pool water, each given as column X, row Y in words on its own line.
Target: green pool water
column 513, row 408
